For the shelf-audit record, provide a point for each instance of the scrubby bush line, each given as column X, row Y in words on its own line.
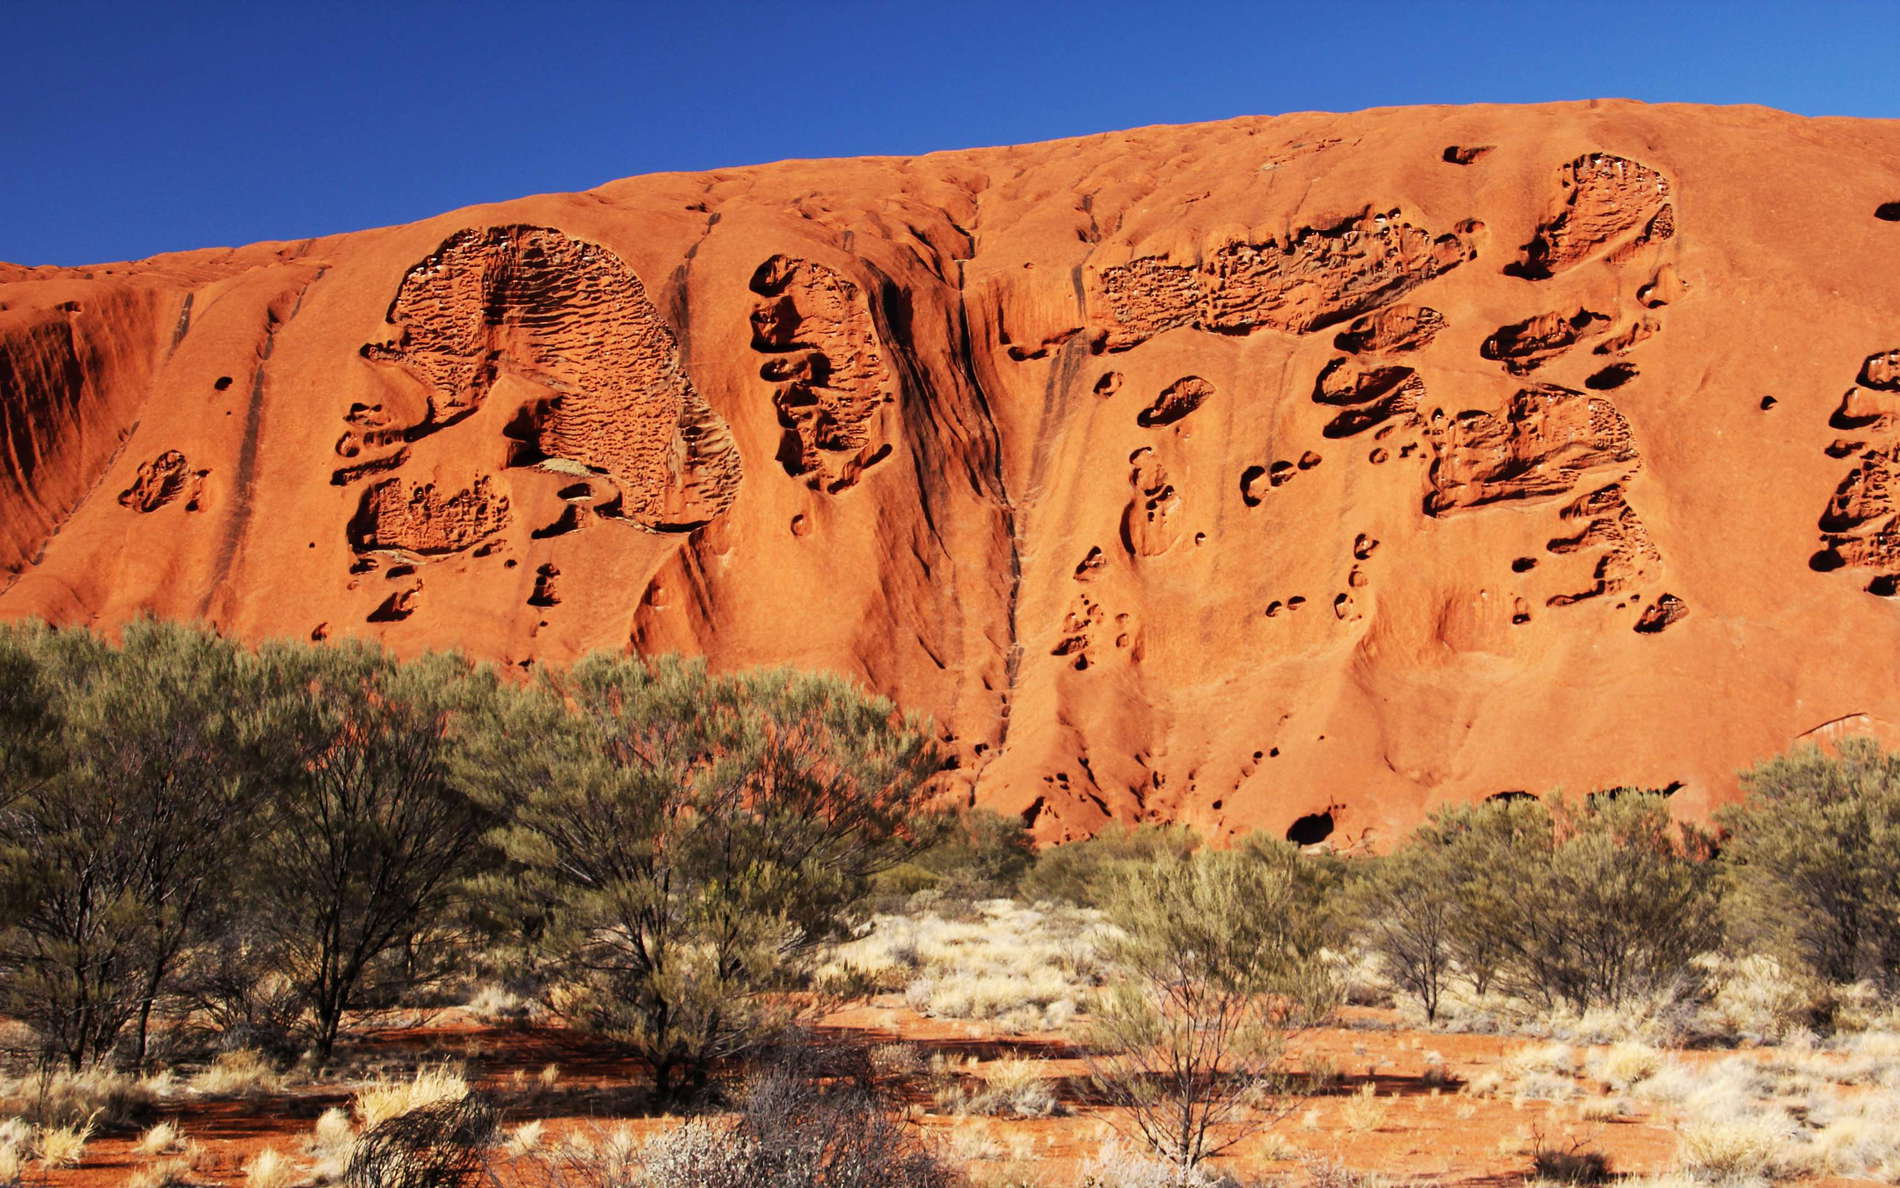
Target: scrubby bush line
column 272, row 838
column 263, row 841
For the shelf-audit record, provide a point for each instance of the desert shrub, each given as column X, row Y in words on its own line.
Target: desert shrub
column 1220, row 958
column 1748, row 1147
column 686, row 843
column 369, row 835
column 1813, row 860
column 1405, row 909
column 110, row 861
column 232, row 992
column 442, row 1144
column 1573, row 1163
column 1083, row 872
column 979, row 855
column 1593, row 905
column 797, row 1128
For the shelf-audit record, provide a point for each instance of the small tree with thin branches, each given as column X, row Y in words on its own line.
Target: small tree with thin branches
column 1219, row 961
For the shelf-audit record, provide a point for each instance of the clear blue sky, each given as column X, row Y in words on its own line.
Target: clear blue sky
column 135, row 128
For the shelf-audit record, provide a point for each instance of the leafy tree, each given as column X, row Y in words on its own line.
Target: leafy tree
column 1220, row 958
column 1406, row 909
column 110, row 862
column 370, row 836
column 1813, row 858
column 29, row 735
column 683, row 841
column 1595, row 905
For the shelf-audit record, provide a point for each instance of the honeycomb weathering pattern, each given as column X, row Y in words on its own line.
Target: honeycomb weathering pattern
column 1316, row 278
column 1608, row 201
column 398, row 516
column 1166, row 470
column 821, row 351
column 573, row 319
column 1544, row 445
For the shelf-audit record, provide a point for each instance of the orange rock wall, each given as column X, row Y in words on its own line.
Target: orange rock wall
column 1229, row 474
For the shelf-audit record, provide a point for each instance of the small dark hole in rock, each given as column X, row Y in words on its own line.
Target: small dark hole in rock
column 1311, row 829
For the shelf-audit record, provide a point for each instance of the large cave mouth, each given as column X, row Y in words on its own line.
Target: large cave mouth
column 1311, row 829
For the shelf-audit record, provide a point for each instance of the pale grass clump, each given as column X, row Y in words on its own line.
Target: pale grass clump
column 62, row 1146
column 1755, row 997
column 1549, row 1059
column 1010, row 1087
column 604, row 1159
column 1747, row 1148
column 969, row 1141
column 382, row 1100
column 1365, row 1111
column 1274, row 1147
column 1855, row 1135
column 165, row 1173
column 1860, row 1058
column 1026, row 968
column 526, row 1138
column 1604, row 1109
column 1489, row 1083
column 897, row 1061
column 241, row 1073
column 1017, row 1088
column 1624, row 1064
column 1115, row 1166
column 97, row 1095
column 1539, row 1086
column 16, row 1138
column 1332, row 1173
column 494, row 1003
column 162, row 1138
column 269, row 1169
column 332, row 1144
column 1727, row 1088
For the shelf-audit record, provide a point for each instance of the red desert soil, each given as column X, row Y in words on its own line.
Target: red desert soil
column 1329, row 466
column 1425, row 1135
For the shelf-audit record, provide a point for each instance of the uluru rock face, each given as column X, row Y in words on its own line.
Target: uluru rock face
column 1293, row 473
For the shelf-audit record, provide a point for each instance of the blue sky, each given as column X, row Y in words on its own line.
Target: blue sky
column 131, row 129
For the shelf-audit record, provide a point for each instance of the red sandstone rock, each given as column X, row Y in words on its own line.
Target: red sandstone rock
column 1032, row 439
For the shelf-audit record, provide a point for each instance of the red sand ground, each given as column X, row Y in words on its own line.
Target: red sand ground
column 1422, row 1138
column 1224, row 474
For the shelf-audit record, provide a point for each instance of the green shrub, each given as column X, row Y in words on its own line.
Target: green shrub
column 1600, row 904
column 683, row 843
column 1220, row 957
column 1813, row 862
column 1083, row 872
